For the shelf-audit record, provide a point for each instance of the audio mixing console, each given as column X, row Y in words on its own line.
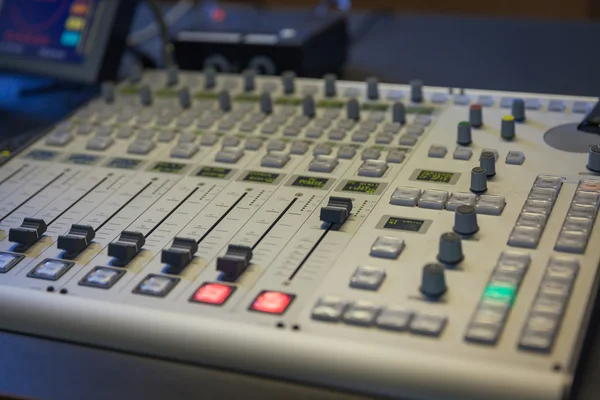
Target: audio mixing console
column 402, row 241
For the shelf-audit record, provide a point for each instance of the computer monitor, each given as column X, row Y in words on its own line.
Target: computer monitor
column 77, row 40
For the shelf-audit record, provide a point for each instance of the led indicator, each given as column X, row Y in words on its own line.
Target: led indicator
column 503, row 292
column 215, row 294
column 272, row 302
column 435, row 176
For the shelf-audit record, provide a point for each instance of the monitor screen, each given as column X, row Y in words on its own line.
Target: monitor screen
column 36, row 35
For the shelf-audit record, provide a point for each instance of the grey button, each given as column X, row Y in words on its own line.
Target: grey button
column 555, row 288
column 300, row 121
column 405, row 196
column 407, row 140
column 369, row 126
column 582, row 211
column 531, row 219
column 276, row 145
column 437, row 151
column 435, row 199
column 515, row 157
column 231, row 141
column 539, row 341
column 485, row 100
column 360, row 136
column 253, row 143
column 439, row 98
column 371, row 154
column 229, row 155
column 376, row 117
column 141, row 147
column 519, row 260
column 396, row 318
column 329, row 308
column 336, row 134
column 548, row 181
column 429, row 325
column 394, row 95
column 490, row 315
column 483, row 333
column 525, row 236
column 346, row 124
column 542, row 322
column 189, row 137
column 314, row 132
column 533, row 104
column 104, row 130
column 463, row 153
column 506, row 102
column 226, row 125
column 571, row 241
column 166, row 136
column 291, row 131
column 331, row 113
column 99, row 143
column 422, row 119
column 322, row 149
column 462, row 99
column 562, row 268
column 146, row 134
column 208, row 139
column 361, row 313
column 578, row 224
column 387, row 247
column 545, row 194
column 59, row 139
column 247, row 127
column 414, row 130
column 85, row 129
column 322, row 123
column 392, row 127
column 383, row 138
column 299, row 148
column 490, row 205
column 581, row 107
column 586, row 198
column 124, row 132
column 310, row 89
column 556, row 106
column 373, row 168
column 275, row 160
column 538, row 207
column 205, row 123
column 164, row 120
column 367, row 277
column 184, row 150
column 323, row 164
column 395, row 156
column 184, row 121
column 458, row 199
column 269, row 129
column 548, row 305
column 347, row 152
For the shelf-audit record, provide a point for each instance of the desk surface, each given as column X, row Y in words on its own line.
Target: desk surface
column 519, row 55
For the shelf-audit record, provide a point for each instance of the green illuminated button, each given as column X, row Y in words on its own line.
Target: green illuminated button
column 504, row 292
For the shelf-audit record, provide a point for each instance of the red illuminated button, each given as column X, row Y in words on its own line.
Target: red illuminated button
column 213, row 293
column 272, row 302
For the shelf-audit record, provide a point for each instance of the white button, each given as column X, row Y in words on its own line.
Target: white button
column 485, row 100
column 439, row 98
column 414, row 130
column 586, row 198
column 141, row 147
column 422, row 119
column 538, row 207
column 571, row 241
column 99, row 143
column 405, row 196
column 299, row 148
column 531, row 219
column 525, row 236
column 581, row 107
column 396, row 318
column 229, row 155
column 361, row 312
column 538, row 193
column 462, row 99
column 373, row 168
column 347, row 152
column 506, row 102
column 435, row 199
column 459, row 199
column 387, row 247
column 515, row 158
column 208, row 139
column 578, row 224
column 275, row 160
column 463, row 153
column 513, row 258
column 383, row 138
column 166, row 136
column 556, row 106
column 231, row 141
column 548, row 181
column 437, row 151
column 429, row 325
column 59, row 138
column 533, row 104
column 395, row 156
column 367, row 277
column 323, row 164
column 582, row 211
column 184, row 150
column 371, row 154
column 329, row 308
column 322, row 149
column 406, row 140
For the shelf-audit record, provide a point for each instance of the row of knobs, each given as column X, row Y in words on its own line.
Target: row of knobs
column 433, row 281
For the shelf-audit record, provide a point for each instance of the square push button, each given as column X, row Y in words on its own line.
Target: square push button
column 156, row 285
column 272, row 302
column 215, row 294
column 9, row 260
column 102, row 277
column 50, row 270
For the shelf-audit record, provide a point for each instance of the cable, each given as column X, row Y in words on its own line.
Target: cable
column 164, row 33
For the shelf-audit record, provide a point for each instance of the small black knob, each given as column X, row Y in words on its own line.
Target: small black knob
column 126, row 247
column 234, row 262
column 337, row 210
column 433, row 281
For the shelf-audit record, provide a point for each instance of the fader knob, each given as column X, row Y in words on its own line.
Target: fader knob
column 372, row 88
column 450, row 250
column 308, row 106
column 288, row 80
column 185, row 98
column 224, row 101
column 108, row 92
column 518, row 110
column 476, row 115
column 399, row 112
column 353, row 110
column 594, row 158
column 266, row 104
column 478, row 180
column 329, row 85
column 433, row 280
column 416, row 90
column 487, row 161
column 172, row 75
column 249, row 80
column 465, row 220
column 463, row 136
column 146, row 95
column 507, row 129
column 210, row 78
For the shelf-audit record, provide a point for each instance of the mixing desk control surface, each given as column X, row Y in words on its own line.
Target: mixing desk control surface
column 391, row 240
